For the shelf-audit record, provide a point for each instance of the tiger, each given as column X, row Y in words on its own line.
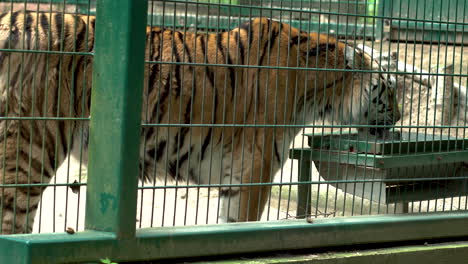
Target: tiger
column 246, row 85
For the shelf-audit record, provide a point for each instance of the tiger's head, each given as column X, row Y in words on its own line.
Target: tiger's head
column 347, row 86
column 376, row 91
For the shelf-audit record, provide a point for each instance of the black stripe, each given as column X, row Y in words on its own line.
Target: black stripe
column 188, row 110
column 205, row 143
column 71, row 64
column 80, row 37
column 299, row 39
column 171, row 168
column 18, row 210
column 382, row 90
column 184, row 158
column 162, row 98
column 152, row 77
column 229, row 192
column 30, row 191
column 267, row 43
column 28, row 29
column 187, row 51
column 210, row 77
column 52, row 161
column 232, row 74
column 247, row 26
column 176, row 54
column 5, row 137
column 88, row 94
column 180, row 138
column 15, row 76
column 160, row 150
column 241, row 48
column 219, row 44
column 50, row 146
column 320, row 48
column 36, row 164
column 63, row 137
column 154, row 69
column 3, row 15
column 151, row 153
column 202, row 47
column 208, row 70
column 14, row 19
column 58, row 28
column 44, row 22
column 14, row 35
column 274, row 36
column 260, row 62
column 278, row 159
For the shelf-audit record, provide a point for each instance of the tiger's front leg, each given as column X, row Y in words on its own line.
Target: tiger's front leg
column 245, row 203
column 22, row 162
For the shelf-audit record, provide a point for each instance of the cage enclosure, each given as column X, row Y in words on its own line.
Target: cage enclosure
column 214, row 127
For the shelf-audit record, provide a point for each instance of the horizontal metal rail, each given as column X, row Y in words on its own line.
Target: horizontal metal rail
column 357, row 71
column 215, row 240
column 296, row 126
column 321, row 12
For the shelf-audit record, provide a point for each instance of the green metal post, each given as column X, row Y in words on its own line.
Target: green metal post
column 304, row 190
column 116, row 116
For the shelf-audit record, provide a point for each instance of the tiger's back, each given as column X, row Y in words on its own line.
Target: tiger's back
column 221, row 88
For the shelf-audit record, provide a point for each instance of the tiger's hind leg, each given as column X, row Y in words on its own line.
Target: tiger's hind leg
column 23, row 161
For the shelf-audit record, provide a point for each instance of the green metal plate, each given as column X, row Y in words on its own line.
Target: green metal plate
column 379, row 161
column 407, row 144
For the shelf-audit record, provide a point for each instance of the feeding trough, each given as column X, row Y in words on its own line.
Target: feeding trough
column 410, row 167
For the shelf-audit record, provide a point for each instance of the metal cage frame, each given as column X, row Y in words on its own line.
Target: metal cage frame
column 110, row 218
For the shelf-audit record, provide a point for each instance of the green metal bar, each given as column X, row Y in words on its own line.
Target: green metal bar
column 427, row 253
column 69, row 2
column 211, row 240
column 47, row 52
column 116, row 116
column 304, row 199
column 381, row 161
column 298, row 68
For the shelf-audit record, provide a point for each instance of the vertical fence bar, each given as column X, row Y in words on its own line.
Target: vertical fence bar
column 116, row 116
column 304, row 191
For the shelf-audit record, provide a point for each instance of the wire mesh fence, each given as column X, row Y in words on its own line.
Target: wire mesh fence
column 337, row 189
column 252, row 111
